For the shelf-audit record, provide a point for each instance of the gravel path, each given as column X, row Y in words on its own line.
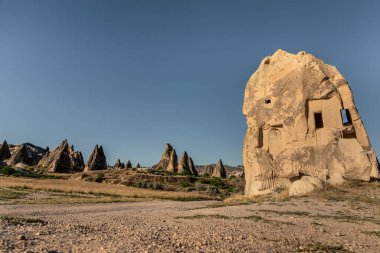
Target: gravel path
column 298, row 225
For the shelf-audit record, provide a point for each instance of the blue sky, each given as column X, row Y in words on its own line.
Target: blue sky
column 133, row 75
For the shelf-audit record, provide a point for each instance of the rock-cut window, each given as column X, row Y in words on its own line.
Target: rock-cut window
column 318, row 120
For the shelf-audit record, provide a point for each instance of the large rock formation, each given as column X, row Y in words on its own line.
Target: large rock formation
column 193, row 170
column 219, row 170
column 302, row 120
column 5, row 153
column 25, row 154
column 119, row 165
column 168, row 160
column 97, row 160
column 128, row 165
column 62, row 160
column 173, row 164
column 186, row 165
column 183, row 165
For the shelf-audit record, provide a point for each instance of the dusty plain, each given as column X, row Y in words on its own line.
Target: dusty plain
column 47, row 220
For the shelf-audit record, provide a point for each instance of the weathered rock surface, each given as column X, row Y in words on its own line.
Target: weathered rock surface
column 5, row 153
column 97, row 160
column 302, row 119
column 193, row 170
column 183, row 165
column 168, row 160
column 62, row 160
column 305, row 185
column 25, row 155
column 173, row 164
column 119, row 165
column 219, row 170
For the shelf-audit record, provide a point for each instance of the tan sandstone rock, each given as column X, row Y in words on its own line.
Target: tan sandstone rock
column 302, row 120
column 219, row 170
column 97, row 160
column 168, row 160
column 63, row 159
column 305, row 185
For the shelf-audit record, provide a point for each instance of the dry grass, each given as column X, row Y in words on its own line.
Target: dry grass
column 74, row 186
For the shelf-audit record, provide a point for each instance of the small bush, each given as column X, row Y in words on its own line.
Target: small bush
column 99, row 178
column 157, row 186
column 7, row 170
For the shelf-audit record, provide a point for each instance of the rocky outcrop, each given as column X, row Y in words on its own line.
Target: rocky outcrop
column 302, row 120
column 128, row 165
column 62, row 160
column 208, row 170
column 186, row 165
column 26, row 155
column 172, row 165
column 183, row 165
column 305, row 185
column 219, row 170
column 168, row 160
column 97, row 160
column 5, row 153
column 119, row 165
column 193, row 170
column 138, row 166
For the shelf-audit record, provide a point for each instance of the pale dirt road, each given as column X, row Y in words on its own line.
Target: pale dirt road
column 298, row 225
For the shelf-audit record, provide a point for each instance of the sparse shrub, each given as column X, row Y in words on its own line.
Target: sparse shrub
column 217, row 182
column 186, row 184
column 7, row 170
column 157, row 186
column 99, row 178
column 213, row 189
column 142, row 184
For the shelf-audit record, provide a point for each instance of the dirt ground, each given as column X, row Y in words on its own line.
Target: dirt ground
column 296, row 225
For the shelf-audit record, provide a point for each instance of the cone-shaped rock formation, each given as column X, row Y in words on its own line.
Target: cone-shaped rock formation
column 128, row 165
column 183, row 165
column 5, row 153
column 168, row 160
column 193, row 170
column 97, row 160
column 219, row 170
column 63, row 160
column 119, row 165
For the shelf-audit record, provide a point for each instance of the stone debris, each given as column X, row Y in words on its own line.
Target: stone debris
column 97, row 160
column 62, row 160
column 302, row 120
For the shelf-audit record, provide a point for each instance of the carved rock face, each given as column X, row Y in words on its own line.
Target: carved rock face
column 302, row 120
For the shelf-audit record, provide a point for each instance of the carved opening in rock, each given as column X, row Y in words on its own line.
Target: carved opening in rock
column 346, row 117
column 318, row 120
column 267, row 101
column 261, row 138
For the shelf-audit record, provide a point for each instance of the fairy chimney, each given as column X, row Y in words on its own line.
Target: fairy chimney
column 302, row 120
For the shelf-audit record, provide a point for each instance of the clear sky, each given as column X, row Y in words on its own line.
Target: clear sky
column 133, row 75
